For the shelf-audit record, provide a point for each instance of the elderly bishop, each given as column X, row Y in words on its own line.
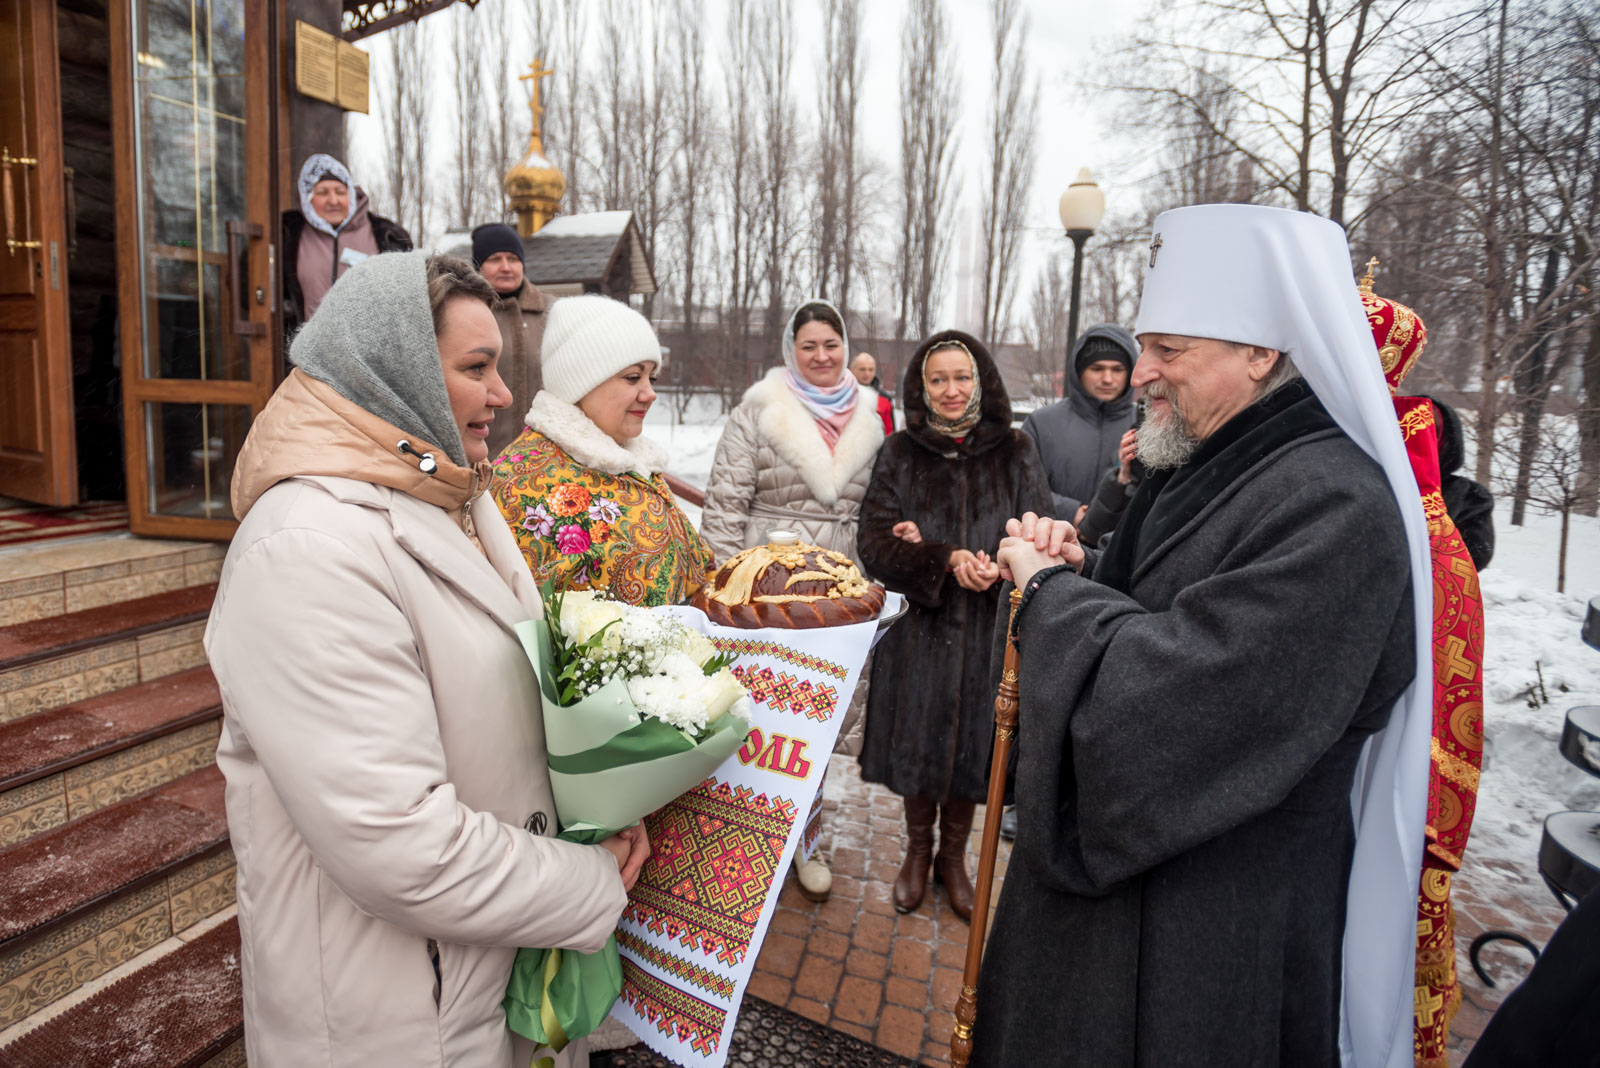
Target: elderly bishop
column 1225, row 712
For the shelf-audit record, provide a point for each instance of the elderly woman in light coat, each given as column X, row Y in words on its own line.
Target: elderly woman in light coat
column 797, row 455
column 387, row 791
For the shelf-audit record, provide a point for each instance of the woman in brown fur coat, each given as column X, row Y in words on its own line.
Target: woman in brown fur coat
column 935, row 510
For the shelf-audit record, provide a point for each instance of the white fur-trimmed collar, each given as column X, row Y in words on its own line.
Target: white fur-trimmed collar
column 792, row 432
column 567, row 426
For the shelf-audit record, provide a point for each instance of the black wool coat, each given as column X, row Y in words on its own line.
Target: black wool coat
column 1470, row 504
column 1176, row 892
column 930, row 708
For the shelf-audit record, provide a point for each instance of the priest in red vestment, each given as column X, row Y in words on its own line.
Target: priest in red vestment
column 1457, row 751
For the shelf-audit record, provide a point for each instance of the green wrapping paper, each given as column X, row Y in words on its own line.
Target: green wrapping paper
column 609, row 768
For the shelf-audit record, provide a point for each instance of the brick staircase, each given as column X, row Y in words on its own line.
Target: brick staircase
column 118, row 943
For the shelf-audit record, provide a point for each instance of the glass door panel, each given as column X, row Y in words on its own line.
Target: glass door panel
column 192, row 450
column 194, row 146
column 189, row 60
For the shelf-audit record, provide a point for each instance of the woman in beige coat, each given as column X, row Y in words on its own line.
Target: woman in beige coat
column 387, row 793
column 797, row 455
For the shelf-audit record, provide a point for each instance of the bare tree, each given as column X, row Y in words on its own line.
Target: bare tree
column 740, row 185
column 773, row 55
column 405, row 122
column 1013, row 114
column 494, row 111
column 1552, row 477
column 571, row 130
column 468, row 44
column 839, row 210
column 1519, row 181
column 1049, row 327
column 614, row 100
column 930, row 92
column 693, row 168
column 649, row 138
column 1316, row 90
column 1114, row 273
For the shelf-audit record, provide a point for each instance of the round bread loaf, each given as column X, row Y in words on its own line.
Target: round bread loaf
column 790, row 586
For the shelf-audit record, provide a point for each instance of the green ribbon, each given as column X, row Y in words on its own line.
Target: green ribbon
column 609, row 767
column 557, row 995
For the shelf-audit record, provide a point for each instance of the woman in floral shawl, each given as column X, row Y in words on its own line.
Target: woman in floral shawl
column 581, row 488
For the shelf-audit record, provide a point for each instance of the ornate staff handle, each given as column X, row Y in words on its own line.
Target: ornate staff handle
column 1005, row 729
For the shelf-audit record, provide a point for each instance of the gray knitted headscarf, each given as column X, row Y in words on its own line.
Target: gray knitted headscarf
column 372, row 340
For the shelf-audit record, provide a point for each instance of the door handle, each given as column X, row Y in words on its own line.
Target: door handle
column 9, row 196
column 240, row 323
column 72, row 211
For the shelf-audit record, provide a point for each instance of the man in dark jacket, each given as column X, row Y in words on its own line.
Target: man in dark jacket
column 1194, row 875
column 1078, row 436
column 1470, row 504
column 497, row 253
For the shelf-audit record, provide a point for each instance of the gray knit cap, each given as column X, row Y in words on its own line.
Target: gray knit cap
column 372, row 340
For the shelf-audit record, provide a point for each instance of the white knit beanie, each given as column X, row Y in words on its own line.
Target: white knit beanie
column 588, row 339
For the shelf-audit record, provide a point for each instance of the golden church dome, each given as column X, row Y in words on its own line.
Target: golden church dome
column 534, row 184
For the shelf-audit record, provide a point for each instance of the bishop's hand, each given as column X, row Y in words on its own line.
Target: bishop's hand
column 1035, row 543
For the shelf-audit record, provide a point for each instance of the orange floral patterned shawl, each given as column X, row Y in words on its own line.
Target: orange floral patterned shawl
column 589, row 530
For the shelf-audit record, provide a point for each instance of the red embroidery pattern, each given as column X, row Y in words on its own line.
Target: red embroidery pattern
column 781, row 691
column 774, row 651
column 676, row 966
column 714, row 859
column 809, row 836
column 674, row 1012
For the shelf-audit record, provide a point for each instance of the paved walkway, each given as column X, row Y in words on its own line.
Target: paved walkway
column 1477, row 910
column 854, row 964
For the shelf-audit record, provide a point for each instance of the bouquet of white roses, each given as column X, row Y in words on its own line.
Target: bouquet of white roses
column 638, row 709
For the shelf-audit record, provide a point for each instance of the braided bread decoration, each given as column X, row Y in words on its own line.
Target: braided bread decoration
column 787, row 585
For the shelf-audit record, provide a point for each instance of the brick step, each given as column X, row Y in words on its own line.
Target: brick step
column 47, row 579
column 49, row 663
column 182, row 1010
column 68, row 762
column 79, row 900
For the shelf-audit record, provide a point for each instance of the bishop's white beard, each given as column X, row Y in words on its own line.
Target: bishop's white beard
column 1165, row 439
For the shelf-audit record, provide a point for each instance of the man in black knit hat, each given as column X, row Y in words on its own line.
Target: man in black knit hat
column 1078, row 436
column 497, row 254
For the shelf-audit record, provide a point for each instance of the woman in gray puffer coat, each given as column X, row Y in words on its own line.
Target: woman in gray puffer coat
column 797, row 455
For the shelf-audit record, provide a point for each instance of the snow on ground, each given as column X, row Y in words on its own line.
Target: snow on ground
column 690, row 443
column 1530, row 629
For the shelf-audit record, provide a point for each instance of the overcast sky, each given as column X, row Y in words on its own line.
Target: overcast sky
column 1067, row 41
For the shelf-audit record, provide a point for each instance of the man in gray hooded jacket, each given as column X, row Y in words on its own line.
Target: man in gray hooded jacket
column 1078, row 436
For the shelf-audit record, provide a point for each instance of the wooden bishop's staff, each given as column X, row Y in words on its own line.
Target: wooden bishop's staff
column 1005, row 729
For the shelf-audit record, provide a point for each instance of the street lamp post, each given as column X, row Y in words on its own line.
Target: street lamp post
column 1083, row 205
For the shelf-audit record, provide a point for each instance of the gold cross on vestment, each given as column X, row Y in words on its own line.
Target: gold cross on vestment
column 1426, row 1004
column 1155, row 247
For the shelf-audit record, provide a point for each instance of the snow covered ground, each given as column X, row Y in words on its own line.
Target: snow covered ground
column 690, row 444
column 1530, row 631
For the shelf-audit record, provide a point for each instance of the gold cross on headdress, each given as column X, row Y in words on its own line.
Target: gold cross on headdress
column 1365, row 285
column 1155, row 247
